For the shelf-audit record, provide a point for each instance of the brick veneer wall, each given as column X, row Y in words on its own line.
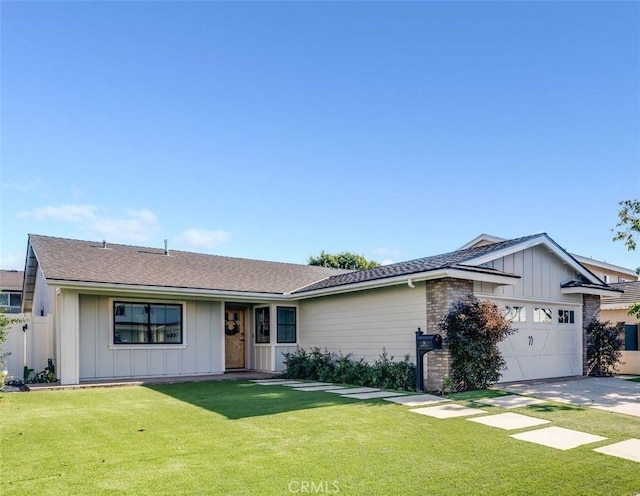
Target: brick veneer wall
column 590, row 310
column 441, row 294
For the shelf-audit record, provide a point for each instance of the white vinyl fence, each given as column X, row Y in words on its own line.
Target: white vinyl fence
column 31, row 347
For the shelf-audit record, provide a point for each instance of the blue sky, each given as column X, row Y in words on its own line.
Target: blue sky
column 275, row 130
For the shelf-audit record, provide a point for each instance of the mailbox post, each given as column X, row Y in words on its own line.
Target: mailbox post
column 424, row 344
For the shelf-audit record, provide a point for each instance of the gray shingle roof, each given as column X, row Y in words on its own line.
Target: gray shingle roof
column 631, row 293
column 11, row 280
column 455, row 260
column 87, row 261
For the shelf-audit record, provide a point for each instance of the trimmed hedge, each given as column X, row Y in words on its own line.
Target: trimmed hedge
column 316, row 365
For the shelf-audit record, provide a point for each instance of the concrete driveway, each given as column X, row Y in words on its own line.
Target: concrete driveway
column 611, row 394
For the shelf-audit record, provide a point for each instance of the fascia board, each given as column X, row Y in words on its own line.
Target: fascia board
column 165, row 291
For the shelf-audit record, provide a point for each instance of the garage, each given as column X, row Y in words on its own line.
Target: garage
column 547, row 343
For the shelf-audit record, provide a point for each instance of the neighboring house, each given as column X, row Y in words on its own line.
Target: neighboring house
column 614, row 309
column 11, row 290
column 609, row 273
column 124, row 311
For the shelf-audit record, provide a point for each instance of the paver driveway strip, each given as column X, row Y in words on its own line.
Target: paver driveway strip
column 604, row 393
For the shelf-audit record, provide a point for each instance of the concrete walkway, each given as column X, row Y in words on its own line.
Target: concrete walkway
column 611, row 394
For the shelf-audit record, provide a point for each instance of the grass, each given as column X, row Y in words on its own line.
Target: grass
column 239, row 438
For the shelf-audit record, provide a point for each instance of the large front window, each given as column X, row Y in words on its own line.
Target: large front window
column 286, row 325
column 147, row 323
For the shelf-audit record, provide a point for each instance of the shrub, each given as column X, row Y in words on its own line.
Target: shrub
column 604, row 342
column 325, row 366
column 473, row 329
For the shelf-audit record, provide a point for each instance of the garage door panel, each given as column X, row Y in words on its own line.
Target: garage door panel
column 540, row 350
column 514, row 370
column 558, row 365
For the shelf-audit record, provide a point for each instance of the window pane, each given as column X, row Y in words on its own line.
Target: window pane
column 286, row 325
column 516, row 314
column 144, row 323
column 263, row 334
column 631, row 337
column 566, row 316
column 4, row 300
column 542, row 315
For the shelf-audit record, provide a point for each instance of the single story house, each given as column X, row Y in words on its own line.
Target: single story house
column 614, row 308
column 124, row 311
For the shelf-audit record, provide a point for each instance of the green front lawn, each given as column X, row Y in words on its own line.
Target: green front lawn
column 241, row 438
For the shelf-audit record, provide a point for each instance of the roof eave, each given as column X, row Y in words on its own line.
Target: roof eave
column 468, row 274
column 165, row 291
column 591, row 291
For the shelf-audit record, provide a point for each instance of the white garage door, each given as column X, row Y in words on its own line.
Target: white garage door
column 548, row 342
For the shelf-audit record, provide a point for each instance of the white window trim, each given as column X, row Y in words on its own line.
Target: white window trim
column 145, row 346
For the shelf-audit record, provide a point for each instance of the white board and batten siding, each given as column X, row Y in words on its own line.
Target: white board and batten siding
column 270, row 357
column 538, row 350
column 365, row 322
column 201, row 353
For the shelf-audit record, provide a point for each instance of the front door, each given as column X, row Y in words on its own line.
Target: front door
column 234, row 330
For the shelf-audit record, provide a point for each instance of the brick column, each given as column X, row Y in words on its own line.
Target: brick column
column 441, row 294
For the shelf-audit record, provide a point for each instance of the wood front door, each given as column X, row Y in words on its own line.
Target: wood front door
column 234, row 330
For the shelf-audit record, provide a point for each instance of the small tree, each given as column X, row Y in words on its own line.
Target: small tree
column 628, row 223
column 473, row 329
column 343, row 260
column 604, row 345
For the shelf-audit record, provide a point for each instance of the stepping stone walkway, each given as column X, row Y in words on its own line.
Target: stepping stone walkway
column 327, row 388
column 268, row 380
column 554, row 437
column 448, row 411
column 281, row 383
column 417, row 399
column 510, row 401
column 558, row 437
column 372, row 395
column 308, row 384
column 355, row 390
column 629, row 450
column 509, row 421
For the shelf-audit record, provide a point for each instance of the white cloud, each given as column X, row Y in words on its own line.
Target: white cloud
column 203, row 238
column 64, row 213
column 134, row 225
column 137, row 226
column 388, row 261
column 24, row 186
